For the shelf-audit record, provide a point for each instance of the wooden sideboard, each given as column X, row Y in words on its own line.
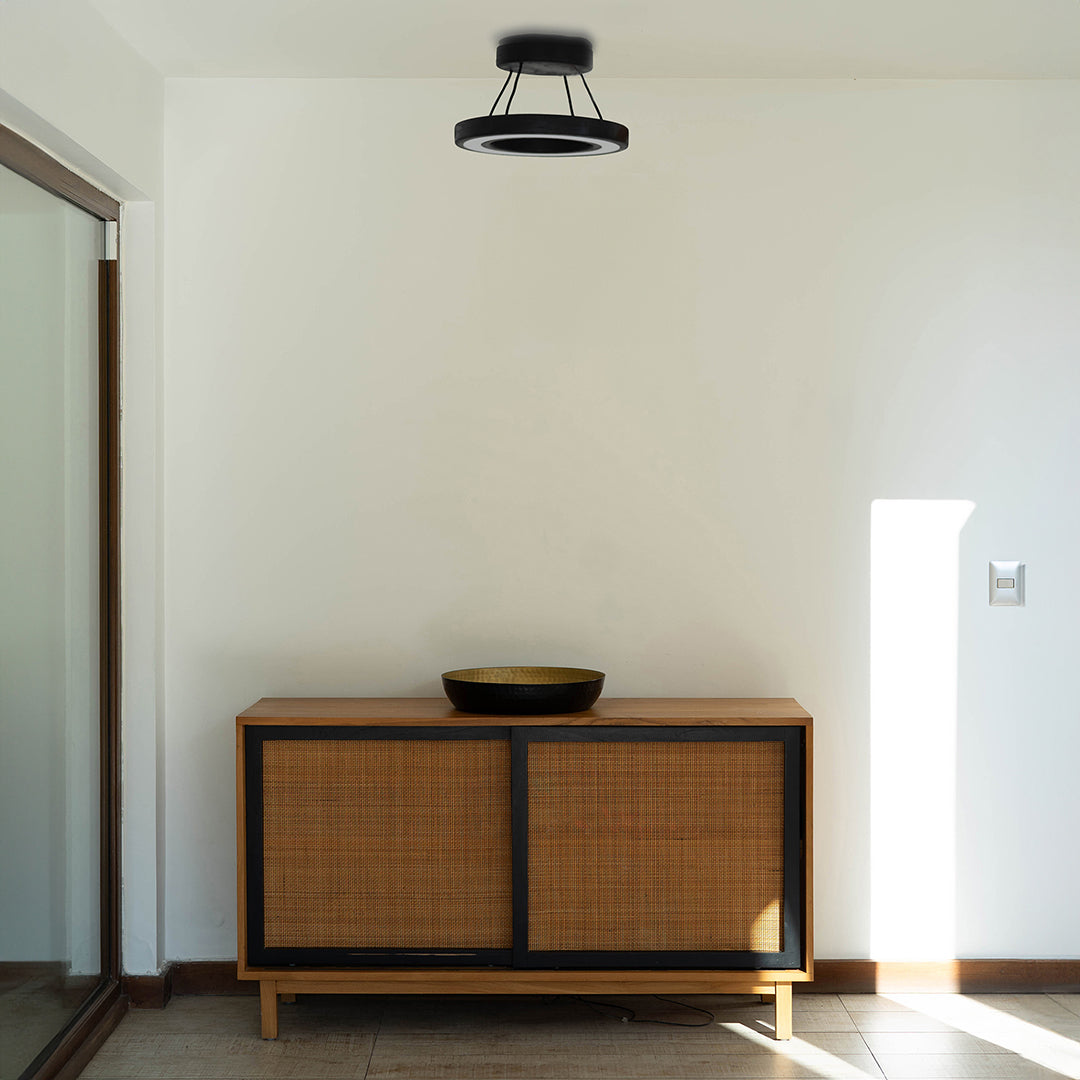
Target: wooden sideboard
column 648, row 845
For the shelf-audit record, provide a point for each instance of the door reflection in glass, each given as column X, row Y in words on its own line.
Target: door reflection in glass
column 50, row 918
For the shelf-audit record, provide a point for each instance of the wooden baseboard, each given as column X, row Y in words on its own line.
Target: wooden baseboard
column 185, row 977
column 944, row 977
column 830, row 977
column 14, row 973
column 149, row 991
column 209, row 977
column 32, row 969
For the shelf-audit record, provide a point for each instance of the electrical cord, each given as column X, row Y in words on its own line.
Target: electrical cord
column 632, row 1017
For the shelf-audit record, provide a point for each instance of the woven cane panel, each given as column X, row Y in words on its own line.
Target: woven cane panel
column 656, row 846
column 387, row 844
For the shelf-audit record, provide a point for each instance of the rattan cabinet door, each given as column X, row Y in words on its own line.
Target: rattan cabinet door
column 650, row 847
column 378, row 845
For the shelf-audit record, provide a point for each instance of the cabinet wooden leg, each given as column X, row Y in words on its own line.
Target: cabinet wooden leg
column 783, row 1010
column 268, row 1007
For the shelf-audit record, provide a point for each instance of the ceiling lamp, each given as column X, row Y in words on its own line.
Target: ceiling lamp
column 540, row 134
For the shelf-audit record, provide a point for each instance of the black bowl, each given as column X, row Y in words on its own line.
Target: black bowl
column 523, row 691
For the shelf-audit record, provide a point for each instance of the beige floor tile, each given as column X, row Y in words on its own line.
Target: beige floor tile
column 219, row 1057
column 898, row 1021
column 807, row 1006
column 762, row 1069
column 633, row 1038
column 1010, row 1031
column 929, row 1042
column 623, row 1038
column 560, row 1038
column 311, row 1014
column 809, row 1042
column 963, row 1067
column 870, row 1003
column 1032, row 1007
column 1067, row 1001
column 826, row 1015
column 1045, row 1039
column 813, row 1020
column 450, row 1057
column 807, row 1026
column 237, row 1015
column 801, row 1003
column 484, row 1014
column 326, row 1014
column 705, row 1001
column 1007, row 1014
column 807, row 1000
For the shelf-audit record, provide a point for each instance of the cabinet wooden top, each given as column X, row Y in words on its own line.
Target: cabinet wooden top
column 682, row 711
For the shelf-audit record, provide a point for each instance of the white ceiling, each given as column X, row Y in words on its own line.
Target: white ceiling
column 634, row 38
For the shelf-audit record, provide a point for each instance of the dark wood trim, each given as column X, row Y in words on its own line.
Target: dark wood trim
column 830, row 977
column 944, row 977
column 22, row 156
column 68, row 1054
column 149, row 991
column 209, row 977
column 109, row 608
column 91, row 1041
column 32, row 969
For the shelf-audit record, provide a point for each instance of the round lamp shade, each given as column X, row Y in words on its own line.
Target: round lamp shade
column 541, row 135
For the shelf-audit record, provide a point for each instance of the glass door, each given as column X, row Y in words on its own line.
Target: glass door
column 53, row 937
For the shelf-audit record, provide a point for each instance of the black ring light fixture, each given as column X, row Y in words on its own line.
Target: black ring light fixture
column 541, row 134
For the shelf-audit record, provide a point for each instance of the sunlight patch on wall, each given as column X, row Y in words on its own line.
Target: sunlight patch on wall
column 914, row 603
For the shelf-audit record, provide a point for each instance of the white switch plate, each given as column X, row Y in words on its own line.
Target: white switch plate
column 1006, row 584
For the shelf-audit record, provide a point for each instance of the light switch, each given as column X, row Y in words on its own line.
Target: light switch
column 1006, row 584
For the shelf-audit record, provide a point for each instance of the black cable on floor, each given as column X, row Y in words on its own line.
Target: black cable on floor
column 685, row 1005
column 608, row 1005
column 632, row 1017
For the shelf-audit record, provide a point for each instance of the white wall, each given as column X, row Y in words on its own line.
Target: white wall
column 71, row 84
column 62, row 65
column 429, row 409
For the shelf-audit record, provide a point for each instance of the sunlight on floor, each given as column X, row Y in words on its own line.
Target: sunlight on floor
column 1019, row 1035
column 806, row 1052
column 837, row 1037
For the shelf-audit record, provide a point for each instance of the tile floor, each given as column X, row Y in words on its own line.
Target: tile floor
column 898, row 1037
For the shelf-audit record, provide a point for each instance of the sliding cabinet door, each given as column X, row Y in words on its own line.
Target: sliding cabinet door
column 370, row 845
column 658, row 847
